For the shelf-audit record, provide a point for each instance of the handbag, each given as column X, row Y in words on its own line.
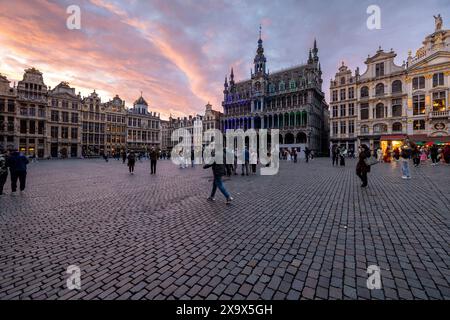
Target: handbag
column 370, row 161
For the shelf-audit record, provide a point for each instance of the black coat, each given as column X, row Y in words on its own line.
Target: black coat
column 361, row 166
column 218, row 169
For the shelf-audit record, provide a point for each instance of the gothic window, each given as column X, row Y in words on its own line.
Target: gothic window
column 292, row 84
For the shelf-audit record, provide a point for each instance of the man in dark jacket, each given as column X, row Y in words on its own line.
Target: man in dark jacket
column 218, row 172
column 17, row 164
column 153, row 158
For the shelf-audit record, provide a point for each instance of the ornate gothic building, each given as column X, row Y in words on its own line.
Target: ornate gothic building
column 290, row 100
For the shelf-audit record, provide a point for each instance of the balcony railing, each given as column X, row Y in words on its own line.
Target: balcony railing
column 440, row 114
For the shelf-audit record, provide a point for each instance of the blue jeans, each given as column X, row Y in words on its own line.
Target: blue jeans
column 218, row 183
column 405, row 168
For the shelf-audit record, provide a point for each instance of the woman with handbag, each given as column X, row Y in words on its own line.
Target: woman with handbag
column 362, row 168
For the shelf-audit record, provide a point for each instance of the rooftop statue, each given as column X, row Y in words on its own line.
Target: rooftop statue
column 438, row 22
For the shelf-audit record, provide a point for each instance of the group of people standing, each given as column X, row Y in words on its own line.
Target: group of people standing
column 408, row 150
column 292, row 154
column 131, row 157
column 17, row 163
column 419, row 154
column 338, row 154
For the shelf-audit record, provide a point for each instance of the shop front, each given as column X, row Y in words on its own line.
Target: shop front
column 424, row 140
column 391, row 142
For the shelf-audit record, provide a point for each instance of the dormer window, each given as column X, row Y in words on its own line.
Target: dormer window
column 379, row 69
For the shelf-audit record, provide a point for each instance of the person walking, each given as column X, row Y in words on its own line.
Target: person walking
column 405, row 155
column 434, row 151
column 124, row 156
column 17, row 164
column 294, row 154
column 362, row 168
column 342, row 153
column 307, row 153
column 3, row 170
column 416, row 156
column 379, row 155
column 334, row 154
column 254, row 161
column 246, row 161
column 446, row 154
column 218, row 171
column 131, row 162
column 153, row 160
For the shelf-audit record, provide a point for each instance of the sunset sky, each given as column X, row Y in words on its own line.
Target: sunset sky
column 178, row 51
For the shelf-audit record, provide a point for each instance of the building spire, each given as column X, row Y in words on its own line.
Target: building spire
column 310, row 60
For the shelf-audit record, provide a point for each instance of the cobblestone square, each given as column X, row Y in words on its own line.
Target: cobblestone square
column 309, row 232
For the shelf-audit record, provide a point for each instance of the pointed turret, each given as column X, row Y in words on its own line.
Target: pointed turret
column 231, row 78
column 310, row 60
column 260, row 59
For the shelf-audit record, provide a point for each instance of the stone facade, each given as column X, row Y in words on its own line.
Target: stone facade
column 290, row 100
column 143, row 127
column 57, row 122
column 64, row 121
column 393, row 101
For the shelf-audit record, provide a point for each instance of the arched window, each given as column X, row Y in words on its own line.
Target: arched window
column 342, row 80
column 379, row 111
column 364, row 129
column 281, row 86
column 380, row 128
column 397, row 107
column 396, row 86
column 300, row 138
column 397, row 127
column 289, row 138
column 364, row 92
column 379, row 89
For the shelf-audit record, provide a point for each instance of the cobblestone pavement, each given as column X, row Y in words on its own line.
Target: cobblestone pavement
column 309, row 232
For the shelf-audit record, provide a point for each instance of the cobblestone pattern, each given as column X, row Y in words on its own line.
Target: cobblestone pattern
column 309, row 232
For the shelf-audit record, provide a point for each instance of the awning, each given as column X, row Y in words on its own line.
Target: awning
column 429, row 140
column 393, row 137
